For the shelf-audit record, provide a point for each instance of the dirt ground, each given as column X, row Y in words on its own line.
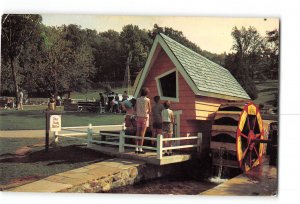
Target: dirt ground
column 23, row 158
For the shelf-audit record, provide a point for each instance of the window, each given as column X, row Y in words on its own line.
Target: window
column 167, row 85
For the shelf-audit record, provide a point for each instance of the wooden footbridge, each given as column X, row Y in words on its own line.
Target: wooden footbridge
column 111, row 140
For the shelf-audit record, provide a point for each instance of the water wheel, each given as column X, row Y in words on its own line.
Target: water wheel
column 249, row 134
column 237, row 136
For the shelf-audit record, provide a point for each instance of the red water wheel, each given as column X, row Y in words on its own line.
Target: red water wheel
column 249, row 135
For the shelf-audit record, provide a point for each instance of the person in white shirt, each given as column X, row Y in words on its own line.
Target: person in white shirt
column 142, row 109
column 167, row 116
column 21, row 98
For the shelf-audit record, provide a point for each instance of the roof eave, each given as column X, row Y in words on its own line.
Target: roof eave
column 221, row 96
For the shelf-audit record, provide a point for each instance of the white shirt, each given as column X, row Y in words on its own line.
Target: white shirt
column 166, row 115
column 142, row 107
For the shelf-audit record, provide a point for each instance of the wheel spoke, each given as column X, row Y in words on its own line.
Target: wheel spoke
column 248, row 123
column 245, row 152
column 255, row 150
column 257, row 136
column 245, row 136
column 254, row 123
column 250, row 159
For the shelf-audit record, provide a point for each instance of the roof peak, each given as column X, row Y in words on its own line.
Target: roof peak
column 205, row 74
column 190, row 50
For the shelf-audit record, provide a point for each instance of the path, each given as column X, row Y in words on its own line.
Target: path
column 261, row 181
column 22, row 133
column 97, row 177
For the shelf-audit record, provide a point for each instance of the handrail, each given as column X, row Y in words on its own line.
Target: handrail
column 181, row 138
column 99, row 126
column 121, row 136
column 139, row 137
column 179, row 147
column 144, row 147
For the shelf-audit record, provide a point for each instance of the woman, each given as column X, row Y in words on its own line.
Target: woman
column 142, row 109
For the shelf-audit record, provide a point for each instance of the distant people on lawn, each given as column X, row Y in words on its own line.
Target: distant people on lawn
column 58, row 100
column 142, row 109
column 124, row 96
column 51, row 105
column 157, row 108
column 21, row 98
column 167, row 116
column 110, row 102
column 102, row 100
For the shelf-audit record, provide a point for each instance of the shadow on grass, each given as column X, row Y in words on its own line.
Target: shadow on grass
column 58, row 155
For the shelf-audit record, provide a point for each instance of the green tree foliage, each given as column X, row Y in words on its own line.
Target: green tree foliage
column 272, row 54
column 43, row 59
column 136, row 45
column 69, row 61
column 17, row 30
column 175, row 35
column 245, row 62
column 106, row 51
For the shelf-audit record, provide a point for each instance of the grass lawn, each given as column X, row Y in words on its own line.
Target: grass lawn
column 36, row 164
column 94, row 93
column 266, row 91
column 33, row 118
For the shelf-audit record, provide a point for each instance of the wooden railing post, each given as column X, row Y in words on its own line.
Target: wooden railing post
column 159, row 146
column 199, row 142
column 121, row 141
column 56, row 137
column 90, row 135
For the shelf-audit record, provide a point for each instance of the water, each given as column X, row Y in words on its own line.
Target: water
column 218, row 179
column 167, row 186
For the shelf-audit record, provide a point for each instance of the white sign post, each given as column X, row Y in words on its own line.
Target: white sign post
column 55, row 123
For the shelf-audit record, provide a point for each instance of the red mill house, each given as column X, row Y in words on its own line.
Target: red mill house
column 195, row 86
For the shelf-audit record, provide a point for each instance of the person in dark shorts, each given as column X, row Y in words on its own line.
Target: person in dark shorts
column 167, row 116
column 156, row 118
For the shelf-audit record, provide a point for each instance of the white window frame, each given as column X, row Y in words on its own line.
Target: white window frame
column 176, row 99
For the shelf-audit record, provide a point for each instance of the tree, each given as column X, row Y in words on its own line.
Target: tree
column 175, row 35
column 135, row 45
column 248, row 46
column 16, row 31
column 272, row 54
column 69, row 59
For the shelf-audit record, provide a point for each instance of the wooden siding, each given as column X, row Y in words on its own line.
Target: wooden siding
column 186, row 96
column 206, row 107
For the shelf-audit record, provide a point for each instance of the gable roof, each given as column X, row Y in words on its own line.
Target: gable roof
column 203, row 76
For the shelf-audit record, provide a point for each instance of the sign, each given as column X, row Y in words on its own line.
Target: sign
column 55, row 123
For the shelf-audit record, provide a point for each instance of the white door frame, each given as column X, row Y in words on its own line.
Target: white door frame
column 177, row 114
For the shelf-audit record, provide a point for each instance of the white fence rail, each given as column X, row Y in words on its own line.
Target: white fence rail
column 119, row 139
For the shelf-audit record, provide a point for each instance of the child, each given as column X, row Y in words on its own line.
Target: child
column 156, row 118
column 167, row 125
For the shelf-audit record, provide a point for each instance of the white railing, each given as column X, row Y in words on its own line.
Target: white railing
column 120, row 138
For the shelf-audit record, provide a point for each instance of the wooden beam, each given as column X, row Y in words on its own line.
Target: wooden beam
column 227, row 146
column 228, row 163
column 214, row 133
column 226, row 128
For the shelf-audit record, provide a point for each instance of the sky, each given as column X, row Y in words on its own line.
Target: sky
column 209, row 33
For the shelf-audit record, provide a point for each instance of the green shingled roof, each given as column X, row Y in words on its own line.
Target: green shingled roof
column 206, row 75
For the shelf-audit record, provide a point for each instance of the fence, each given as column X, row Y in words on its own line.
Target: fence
column 119, row 140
